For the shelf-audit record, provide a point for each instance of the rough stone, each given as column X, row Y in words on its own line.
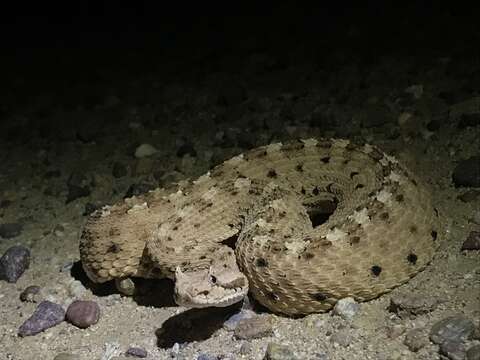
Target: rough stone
column 473, row 353
column 453, row 329
column 83, row 313
column 136, row 352
column 145, row 150
column 347, row 308
column 279, row 352
column 408, row 305
column 472, row 242
column 254, row 328
column 30, row 294
column 10, row 230
column 415, row 340
column 454, row 350
column 46, row 315
column 14, row 262
column 342, row 338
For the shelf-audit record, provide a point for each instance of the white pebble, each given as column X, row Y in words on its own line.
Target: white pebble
column 145, row 150
column 346, row 308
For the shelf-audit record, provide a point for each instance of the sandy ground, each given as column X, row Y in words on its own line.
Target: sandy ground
column 196, row 118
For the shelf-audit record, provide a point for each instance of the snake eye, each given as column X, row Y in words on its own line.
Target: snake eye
column 213, row 279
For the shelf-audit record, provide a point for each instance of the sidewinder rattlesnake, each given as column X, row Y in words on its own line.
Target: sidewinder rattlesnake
column 300, row 225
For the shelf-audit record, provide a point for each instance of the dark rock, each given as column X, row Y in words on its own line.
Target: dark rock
column 136, row 352
column 472, row 242
column 119, row 170
column 253, row 328
column 14, row 262
column 4, row 204
column 90, row 208
column 78, row 186
column 473, row 353
column 83, row 314
column 415, row 340
column 46, row 315
column 469, row 195
column 454, row 328
column 467, row 173
column 139, row 189
column 30, row 293
column 469, row 120
column 279, row 352
column 454, row 350
column 407, row 305
column 185, row 149
column 10, row 230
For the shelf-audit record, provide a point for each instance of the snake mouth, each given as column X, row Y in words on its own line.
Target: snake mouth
column 209, row 287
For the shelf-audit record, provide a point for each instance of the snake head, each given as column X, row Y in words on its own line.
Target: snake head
column 217, row 286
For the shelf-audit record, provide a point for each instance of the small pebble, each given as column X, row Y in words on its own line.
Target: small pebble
column 233, row 320
column 90, row 208
column 454, row 350
column 66, row 356
column 10, row 230
column 138, row 189
column 253, row 328
column 136, row 352
column 454, row 329
column 126, row 286
column 342, row 338
column 472, row 242
column 207, row 357
column 145, row 150
column 78, row 185
column 83, row 313
column 467, row 173
column 395, row 330
column 473, row 353
column 415, row 340
column 30, row 294
column 14, row 262
column 186, row 149
column 411, row 305
column 469, row 196
column 279, row 352
column 119, row 170
column 76, row 289
column 46, row 315
column 346, row 308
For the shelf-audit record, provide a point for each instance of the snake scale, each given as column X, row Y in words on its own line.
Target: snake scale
column 299, row 225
